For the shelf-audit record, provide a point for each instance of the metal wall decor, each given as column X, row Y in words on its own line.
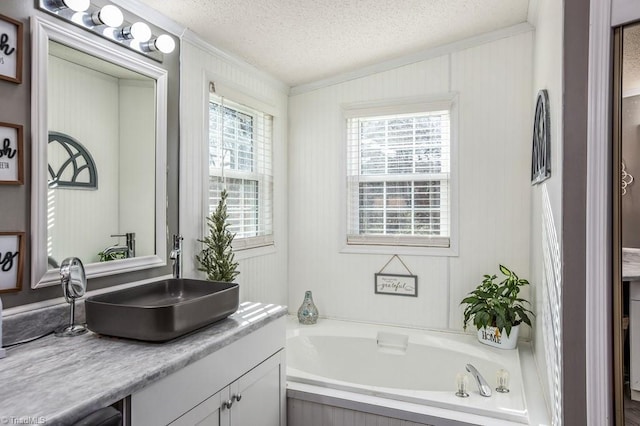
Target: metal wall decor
column 541, row 151
column 78, row 170
column 10, row 49
column 626, row 179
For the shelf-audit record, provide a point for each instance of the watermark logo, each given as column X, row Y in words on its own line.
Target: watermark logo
column 15, row 420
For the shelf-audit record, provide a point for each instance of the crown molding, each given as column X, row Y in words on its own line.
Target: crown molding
column 264, row 76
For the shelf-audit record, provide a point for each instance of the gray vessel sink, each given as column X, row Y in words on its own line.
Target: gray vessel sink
column 162, row 310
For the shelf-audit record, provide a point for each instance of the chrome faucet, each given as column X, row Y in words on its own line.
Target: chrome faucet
column 176, row 256
column 483, row 386
column 128, row 251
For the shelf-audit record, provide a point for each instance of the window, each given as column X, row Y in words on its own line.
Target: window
column 240, row 152
column 399, row 176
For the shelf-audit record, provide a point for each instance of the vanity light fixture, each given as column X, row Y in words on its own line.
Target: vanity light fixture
column 163, row 43
column 75, row 5
column 109, row 15
column 138, row 31
column 108, row 22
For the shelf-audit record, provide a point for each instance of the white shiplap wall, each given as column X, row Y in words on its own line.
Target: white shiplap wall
column 546, row 207
column 136, row 165
column 91, row 123
column 493, row 82
column 263, row 276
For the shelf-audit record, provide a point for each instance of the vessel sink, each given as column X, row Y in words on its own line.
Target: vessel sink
column 162, row 310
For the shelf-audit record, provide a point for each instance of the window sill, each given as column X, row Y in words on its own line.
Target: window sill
column 400, row 250
column 249, row 252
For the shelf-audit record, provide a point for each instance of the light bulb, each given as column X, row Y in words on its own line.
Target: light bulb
column 77, row 5
column 138, row 31
column 109, row 15
column 165, row 44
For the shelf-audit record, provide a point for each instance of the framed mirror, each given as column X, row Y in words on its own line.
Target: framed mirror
column 99, row 119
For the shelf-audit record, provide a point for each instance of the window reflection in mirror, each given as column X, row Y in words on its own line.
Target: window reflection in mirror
column 101, row 159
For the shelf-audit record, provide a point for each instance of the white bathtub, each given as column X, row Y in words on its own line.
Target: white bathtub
column 346, row 356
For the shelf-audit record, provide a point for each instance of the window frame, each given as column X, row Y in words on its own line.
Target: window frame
column 389, row 244
column 260, row 244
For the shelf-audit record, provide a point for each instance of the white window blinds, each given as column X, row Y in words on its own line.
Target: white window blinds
column 240, row 160
column 398, row 179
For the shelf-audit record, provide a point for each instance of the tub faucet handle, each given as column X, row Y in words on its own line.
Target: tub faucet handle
column 483, row 386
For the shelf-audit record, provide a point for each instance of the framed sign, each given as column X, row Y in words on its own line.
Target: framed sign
column 11, row 171
column 11, row 261
column 10, row 49
column 396, row 284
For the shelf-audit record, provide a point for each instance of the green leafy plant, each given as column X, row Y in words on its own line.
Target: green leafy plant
column 497, row 304
column 216, row 258
column 102, row 257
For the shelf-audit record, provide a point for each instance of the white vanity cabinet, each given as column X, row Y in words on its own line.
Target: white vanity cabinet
column 241, row 384
column 254, row 399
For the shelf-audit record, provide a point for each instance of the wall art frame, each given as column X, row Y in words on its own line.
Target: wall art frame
column 541, row 147
column 11, row 154
column 396, row 284
column 11, row 49
column 12, row 254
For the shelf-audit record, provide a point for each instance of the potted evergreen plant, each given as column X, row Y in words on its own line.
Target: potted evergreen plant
column 496, row 310
column 217, row 258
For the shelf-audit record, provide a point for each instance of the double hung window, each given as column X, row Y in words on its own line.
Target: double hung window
column 240, row 161
column 398, row 176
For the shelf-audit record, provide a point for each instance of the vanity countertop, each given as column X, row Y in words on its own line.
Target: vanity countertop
column 60, row 380
column 630, row 264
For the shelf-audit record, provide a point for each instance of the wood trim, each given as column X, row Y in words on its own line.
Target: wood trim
column 616, row 266
column 575, row 171
column 599, row 339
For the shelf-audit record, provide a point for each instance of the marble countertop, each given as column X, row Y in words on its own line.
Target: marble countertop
column 630, row 264
column 60, row 380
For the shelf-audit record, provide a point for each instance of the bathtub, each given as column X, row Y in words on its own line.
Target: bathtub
column 408, row 370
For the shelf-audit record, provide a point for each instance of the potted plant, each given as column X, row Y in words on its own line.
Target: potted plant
column 216, row 258
column 496, row 310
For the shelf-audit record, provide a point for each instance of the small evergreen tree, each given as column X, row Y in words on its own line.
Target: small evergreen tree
column 216, row 258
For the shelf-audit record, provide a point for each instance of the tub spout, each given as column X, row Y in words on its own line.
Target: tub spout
column 483, row 386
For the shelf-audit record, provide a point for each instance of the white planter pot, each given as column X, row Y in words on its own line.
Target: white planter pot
column 499, row 339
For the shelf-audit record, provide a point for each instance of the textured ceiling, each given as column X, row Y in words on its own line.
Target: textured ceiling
column 300, row 41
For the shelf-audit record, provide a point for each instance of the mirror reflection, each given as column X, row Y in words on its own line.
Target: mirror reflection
column 100, row 159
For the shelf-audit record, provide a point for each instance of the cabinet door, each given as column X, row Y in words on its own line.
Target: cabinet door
column 258, row 395
column 210, row 412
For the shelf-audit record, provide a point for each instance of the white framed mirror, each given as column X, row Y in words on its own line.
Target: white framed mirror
column 99, row 119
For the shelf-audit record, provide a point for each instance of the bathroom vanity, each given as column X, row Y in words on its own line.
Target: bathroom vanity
column 230, row 373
